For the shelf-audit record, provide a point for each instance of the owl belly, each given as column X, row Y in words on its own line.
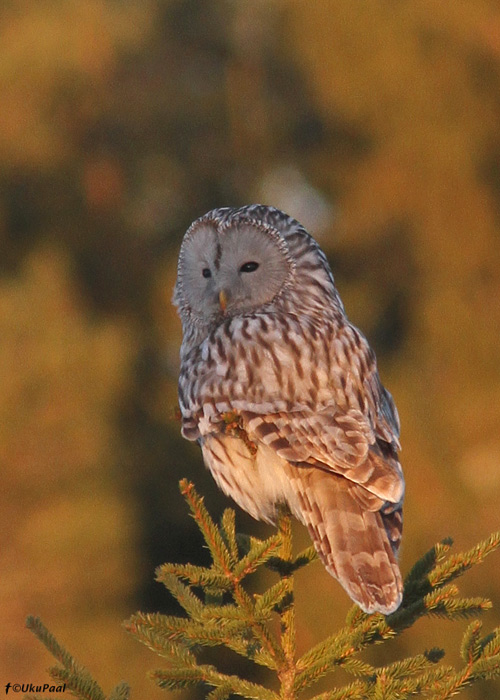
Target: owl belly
column 257, row 482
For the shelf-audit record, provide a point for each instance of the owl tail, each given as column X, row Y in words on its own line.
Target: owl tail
column 353, row 542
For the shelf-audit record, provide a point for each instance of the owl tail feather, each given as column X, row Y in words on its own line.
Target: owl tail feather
column 352, row 542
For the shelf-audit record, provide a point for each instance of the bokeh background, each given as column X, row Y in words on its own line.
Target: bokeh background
column 377, row 124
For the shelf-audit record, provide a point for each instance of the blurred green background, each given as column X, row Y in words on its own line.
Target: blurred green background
column 375, row 123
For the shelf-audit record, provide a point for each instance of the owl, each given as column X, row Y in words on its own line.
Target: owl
column 282, row 394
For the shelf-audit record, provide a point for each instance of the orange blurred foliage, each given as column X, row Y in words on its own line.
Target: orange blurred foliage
column 120, row 123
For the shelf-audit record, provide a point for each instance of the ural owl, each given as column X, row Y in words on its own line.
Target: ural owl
column 283, row 395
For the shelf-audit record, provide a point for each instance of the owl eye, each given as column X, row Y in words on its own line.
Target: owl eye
column 206, row 272
column 249, row 266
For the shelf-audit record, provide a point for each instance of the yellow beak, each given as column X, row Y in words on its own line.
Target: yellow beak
column 223, row 300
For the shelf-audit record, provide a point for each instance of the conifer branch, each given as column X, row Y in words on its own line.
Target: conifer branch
column 209, row 675
column 220, row 612
column 195, row 575
column 77, row 677
column 458, row 564
column 120, row 692
column 228, row 529
column 50, row 642
column 354, row 691
column 212, row 535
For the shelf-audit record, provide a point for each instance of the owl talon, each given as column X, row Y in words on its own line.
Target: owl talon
column 233, row 426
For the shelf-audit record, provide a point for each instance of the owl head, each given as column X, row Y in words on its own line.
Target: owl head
column 235, row 261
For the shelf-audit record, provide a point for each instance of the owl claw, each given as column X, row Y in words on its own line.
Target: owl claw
column 234, row 426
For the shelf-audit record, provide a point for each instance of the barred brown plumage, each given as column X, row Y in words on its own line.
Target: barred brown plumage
column 311, row 424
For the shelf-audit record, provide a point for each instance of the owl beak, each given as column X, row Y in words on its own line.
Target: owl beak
column 223, row 300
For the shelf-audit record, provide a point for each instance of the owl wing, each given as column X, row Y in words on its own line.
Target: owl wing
column 346, row 443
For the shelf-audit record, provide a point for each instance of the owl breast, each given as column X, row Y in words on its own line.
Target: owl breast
column 257, row 482
column 261, row 363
